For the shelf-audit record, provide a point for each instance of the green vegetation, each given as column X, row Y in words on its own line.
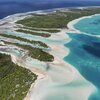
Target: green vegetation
column 35, row 53
column 56, row 20
column 44, row 21
column 33, row 33
column 40, row 29
column 46, row 30
column 25, row 40
column 15, row 81
column 51, row 30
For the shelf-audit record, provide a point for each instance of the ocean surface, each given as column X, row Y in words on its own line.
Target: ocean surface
column 8, row 7
column 84, row 56
column 84, row 48
column 85, row 51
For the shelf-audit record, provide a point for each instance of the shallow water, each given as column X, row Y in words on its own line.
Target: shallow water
column 65, row 84
column 34, row 37
column 89, row 25
column 85, row 51
column 84, row 55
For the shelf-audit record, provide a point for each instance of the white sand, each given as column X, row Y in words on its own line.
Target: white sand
column 58, row 78
column 71, row 24
column 61, row 73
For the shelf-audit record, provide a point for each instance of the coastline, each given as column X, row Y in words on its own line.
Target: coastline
column 46, row 11
column 71, row 24
column 58, row 61
column 72, row 29
column 52, row 9
column 59, row 53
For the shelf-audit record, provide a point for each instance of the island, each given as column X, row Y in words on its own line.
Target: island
column 32, row 50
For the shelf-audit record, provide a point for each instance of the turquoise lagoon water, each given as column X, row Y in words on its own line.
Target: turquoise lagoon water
column 89, row 25
column 85, row 51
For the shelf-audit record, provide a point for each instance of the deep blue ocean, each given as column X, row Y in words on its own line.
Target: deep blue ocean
column 8, row 7
column 85, row 51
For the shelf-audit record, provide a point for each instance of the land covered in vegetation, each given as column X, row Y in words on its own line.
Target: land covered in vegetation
column 58, row 19
column 15, row 81
column 39, row 43
column 35, row 53
column 33, row 33
column 45, row 25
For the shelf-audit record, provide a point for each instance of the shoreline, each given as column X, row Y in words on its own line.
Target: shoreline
column 46, row 11
column 59, row 53
column 58, row 61
column 72, row 29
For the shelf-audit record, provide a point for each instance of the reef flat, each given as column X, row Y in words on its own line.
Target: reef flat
column 36, row 41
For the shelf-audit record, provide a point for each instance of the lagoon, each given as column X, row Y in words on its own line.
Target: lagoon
column 85, row 51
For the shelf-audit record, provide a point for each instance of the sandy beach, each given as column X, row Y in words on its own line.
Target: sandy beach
column 72, row 76
column 56, row 73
